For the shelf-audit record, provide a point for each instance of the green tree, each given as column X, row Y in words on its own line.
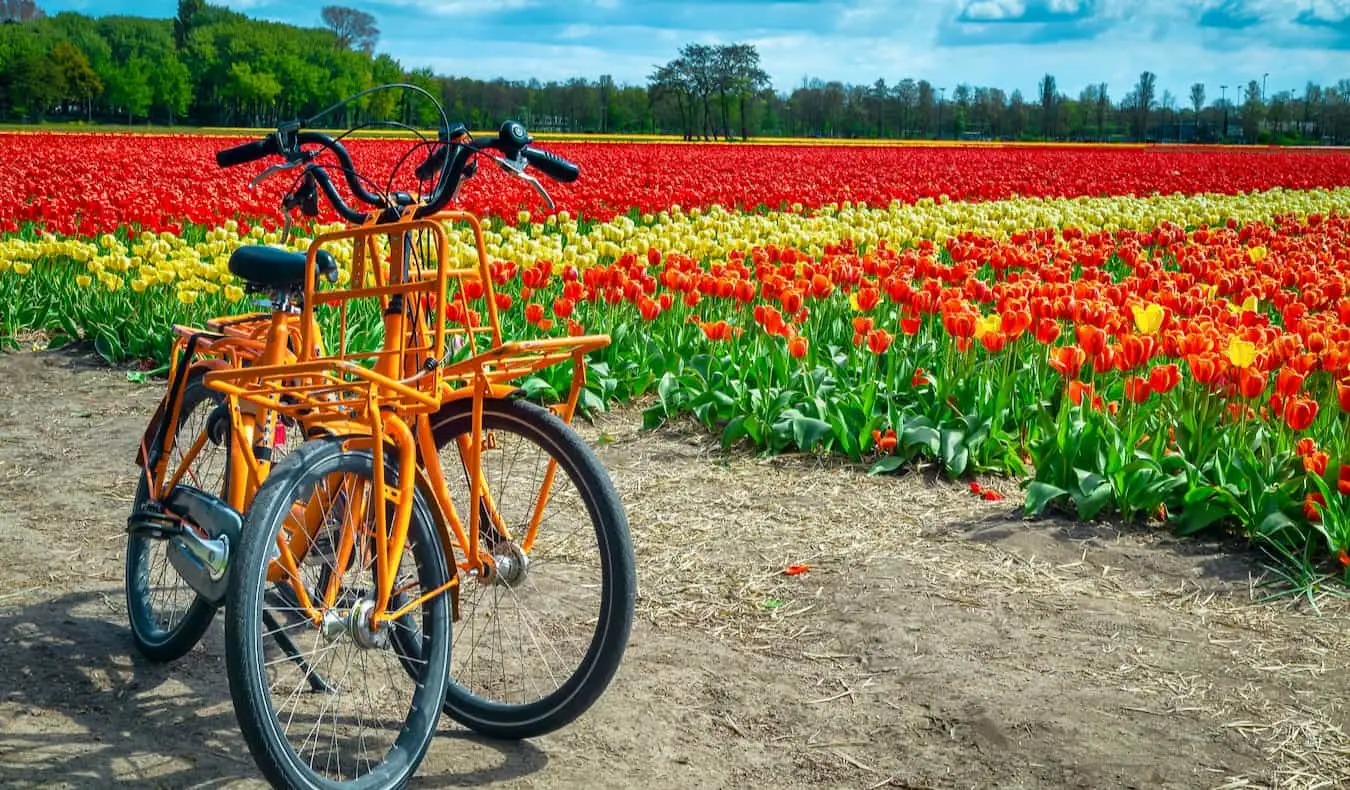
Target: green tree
column 1048, row 100
column 252, row 91
column 171, row 85
column 189, row 12
column 1144, row 101
column 78, row 80
column 1253, row 112
column 129, row 88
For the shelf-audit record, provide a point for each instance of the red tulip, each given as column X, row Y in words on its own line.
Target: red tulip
column 1299, row 413
column 1163, row 378
column 1137, row 389
column 1251, row 383
column 878, row 340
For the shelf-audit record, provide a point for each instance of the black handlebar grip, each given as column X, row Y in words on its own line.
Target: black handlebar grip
column 552, row 165
column 249, row 152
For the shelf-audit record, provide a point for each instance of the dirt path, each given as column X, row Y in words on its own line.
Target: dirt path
column 937, row 642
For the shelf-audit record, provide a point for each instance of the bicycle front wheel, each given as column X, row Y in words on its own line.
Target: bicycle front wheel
column 539, row 642
column 338, row 702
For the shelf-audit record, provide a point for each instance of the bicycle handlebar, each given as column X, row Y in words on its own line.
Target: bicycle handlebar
column 249, row 152
column 451, row 159
column 552, row 165
column 513, row 141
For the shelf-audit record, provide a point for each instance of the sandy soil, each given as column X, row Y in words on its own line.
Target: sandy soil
column 938, row 641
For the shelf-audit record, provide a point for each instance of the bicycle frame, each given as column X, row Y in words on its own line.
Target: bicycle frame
column 274, row 366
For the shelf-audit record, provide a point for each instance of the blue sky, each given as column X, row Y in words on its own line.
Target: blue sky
column 1002, row 43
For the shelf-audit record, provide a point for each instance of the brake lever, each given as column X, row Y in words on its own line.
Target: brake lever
column 516, row 167
column 272, row 171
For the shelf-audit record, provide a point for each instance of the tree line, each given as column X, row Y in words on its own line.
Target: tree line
column 213, row 66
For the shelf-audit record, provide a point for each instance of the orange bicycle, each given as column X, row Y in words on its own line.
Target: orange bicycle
column 340, row 556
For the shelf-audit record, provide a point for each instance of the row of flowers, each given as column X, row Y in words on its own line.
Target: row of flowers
column 164, row 183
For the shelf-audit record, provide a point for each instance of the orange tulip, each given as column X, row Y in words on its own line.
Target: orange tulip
column 1137, row 389
column 1316, row 463
column 1163, row 378
column 1067, row 360
column 1078, row 391
column 1311, row 503
column 1288, row 382
column 1204, row 367
column 959, row 325
column 1047, row 331
column 878, row 340
column 1092, row 339
column 1135, row 350
column 1251, row 383
column 797, row 346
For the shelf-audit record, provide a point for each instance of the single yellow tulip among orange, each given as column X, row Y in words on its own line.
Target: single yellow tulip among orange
column 1241, row 353
column 1257, row 254
column 1148, row 319
column 986, row 324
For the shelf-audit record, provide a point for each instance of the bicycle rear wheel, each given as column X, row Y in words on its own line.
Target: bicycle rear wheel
column 538, row 644
column 341, row 704
column 167, row 616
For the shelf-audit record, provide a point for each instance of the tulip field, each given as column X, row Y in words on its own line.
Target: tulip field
column 1153, row 334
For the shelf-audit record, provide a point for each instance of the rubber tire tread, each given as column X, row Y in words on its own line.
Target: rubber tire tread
column 578, row 461
column 253, row 710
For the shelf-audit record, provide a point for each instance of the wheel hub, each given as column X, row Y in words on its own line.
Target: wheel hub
column 508, row 565
column 358, row 623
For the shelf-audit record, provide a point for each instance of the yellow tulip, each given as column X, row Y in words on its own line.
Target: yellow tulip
column 187, row 297
column 1148, row 319
column 1257, row 254
column 1249, row 305
column 987, row 324
column 84, row 280
column 22, row 267
column 1241, row 353
column 138, row 285
column 234, row 293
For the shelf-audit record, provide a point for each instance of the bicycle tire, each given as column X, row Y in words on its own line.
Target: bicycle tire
column 162, row 644
column 295, row 480
column 485, row 709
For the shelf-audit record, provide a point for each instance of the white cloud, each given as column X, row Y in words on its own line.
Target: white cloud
column 1329, row 10
column 994, row 10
